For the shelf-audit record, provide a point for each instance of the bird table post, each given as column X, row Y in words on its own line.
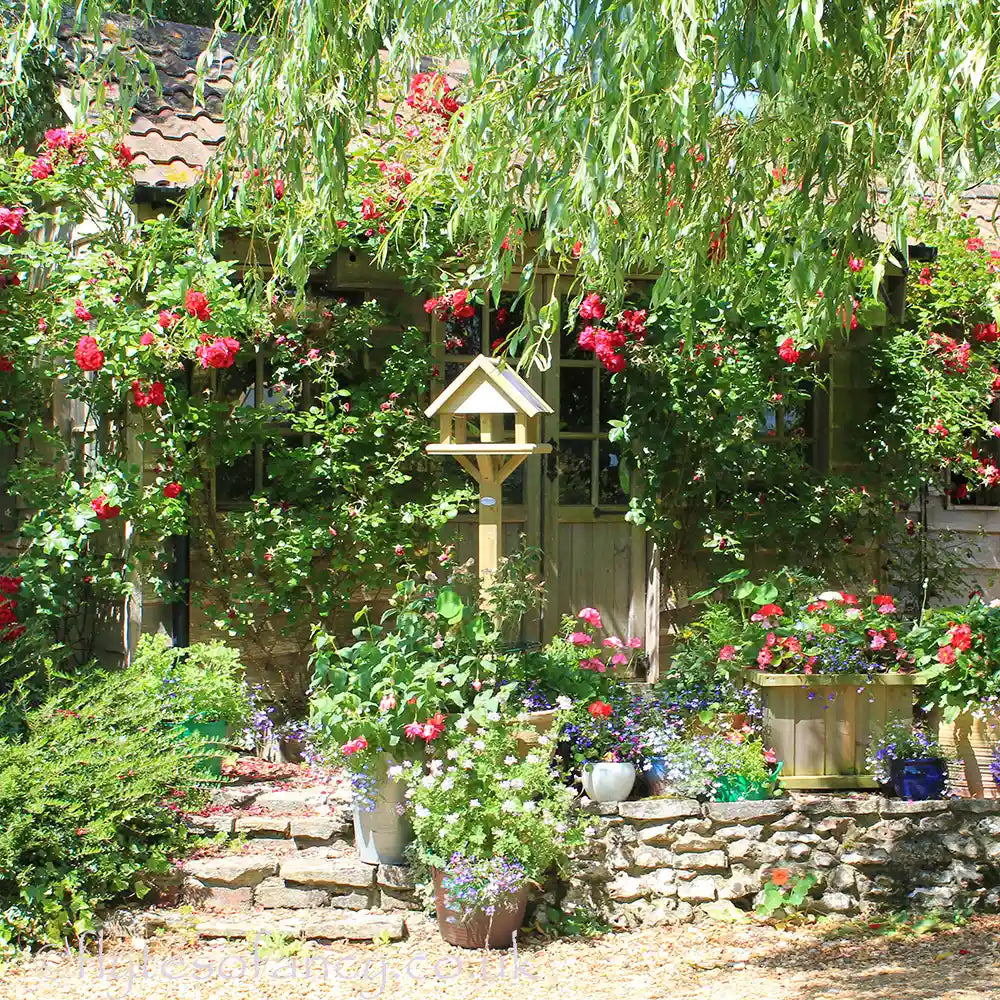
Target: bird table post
column 487, row 392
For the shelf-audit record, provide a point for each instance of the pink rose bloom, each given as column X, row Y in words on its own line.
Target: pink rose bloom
column 619, row 659
column 388, row 703
column 613, row 641
column 727, row 653
column 634, row 643
column 353, row 746
column 591, row 616
column 579, row 639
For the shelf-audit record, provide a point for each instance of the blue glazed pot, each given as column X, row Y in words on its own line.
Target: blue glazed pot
column 919, row 778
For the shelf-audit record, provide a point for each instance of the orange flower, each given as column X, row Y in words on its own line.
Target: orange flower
column 780, row 876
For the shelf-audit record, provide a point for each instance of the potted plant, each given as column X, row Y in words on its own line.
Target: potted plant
column 388, row 698
column 203, row 691
column 909, row 759
column 578, row 665
column 676, row 765
column 606, row 743
column 744, row 769
column 830, row 671
column 488, row 825
column 957, row 650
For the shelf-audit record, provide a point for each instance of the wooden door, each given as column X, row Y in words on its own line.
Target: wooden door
column 593, row 556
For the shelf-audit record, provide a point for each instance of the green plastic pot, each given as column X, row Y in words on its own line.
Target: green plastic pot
column 736, row 788
column 214, row 735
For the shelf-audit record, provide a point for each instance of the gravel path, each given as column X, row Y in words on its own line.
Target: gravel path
column 701, row 962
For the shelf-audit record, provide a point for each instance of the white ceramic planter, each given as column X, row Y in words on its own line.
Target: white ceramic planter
column 608, row 781
column 381, row 835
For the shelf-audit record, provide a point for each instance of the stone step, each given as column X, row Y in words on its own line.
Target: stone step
column 309, row 924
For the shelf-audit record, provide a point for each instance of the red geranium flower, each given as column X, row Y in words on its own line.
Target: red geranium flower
column 599, row 709
column 173, row 490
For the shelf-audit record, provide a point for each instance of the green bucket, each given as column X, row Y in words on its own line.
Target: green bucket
column 214, row 735
column 736, row 788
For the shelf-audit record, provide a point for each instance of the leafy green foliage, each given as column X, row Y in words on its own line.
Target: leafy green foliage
column 486, row 802
column 430, row 657
column 201, row 682
column 92, row 796
column 784, row 896
column 956, row 650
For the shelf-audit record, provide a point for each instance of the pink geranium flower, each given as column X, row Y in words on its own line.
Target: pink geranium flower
column 353, row 746
column 727, row 653
column 579, row 639
column 613, row 642
column 591, row 616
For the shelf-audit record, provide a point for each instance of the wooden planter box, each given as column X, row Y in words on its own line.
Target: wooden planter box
column 822, row 739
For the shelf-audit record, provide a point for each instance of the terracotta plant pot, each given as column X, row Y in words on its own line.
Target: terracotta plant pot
column 476, row 928
column 382, row 834
column 969, row 742
column 608, row 781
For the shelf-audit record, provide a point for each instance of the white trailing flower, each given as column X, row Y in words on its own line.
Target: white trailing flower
column 510, row 760
column 563, row 703
column 462, row 724
column 452, row 753
column 395, row 772
column 509, row 805
column 422, row 812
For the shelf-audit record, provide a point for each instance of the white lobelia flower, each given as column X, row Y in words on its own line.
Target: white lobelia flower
column 479, row 745
column 530, row 806
column 467, row 765
column 510, row 760
column 532, row 758
column 517, row 783
column 422, row 812
column 561, row 827
column 452, row 753
column 563, row 703
column 544, row 740
column 509, row 806
column 493, row 716
column 428, row 781
column 447, row 785
column 451, row 818
column 396, row 771
column 474, row 803
column 462, row 724
column 435, row 767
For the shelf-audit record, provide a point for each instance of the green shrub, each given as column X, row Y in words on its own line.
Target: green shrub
column 203, row 681
column 91, row 799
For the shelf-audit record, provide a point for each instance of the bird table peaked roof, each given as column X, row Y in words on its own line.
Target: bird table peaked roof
column 485, row 387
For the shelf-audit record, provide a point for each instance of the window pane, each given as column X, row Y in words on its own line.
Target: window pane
column 576, row 398
column 238, row 383
column 234, row 481
column 464, row 336
column 568, row 345
column 609, row 488
column 612, row 400
column 504, row 320
column 512, row 490
column 575, row 463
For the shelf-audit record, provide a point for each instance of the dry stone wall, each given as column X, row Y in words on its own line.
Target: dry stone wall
column 660, row 860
